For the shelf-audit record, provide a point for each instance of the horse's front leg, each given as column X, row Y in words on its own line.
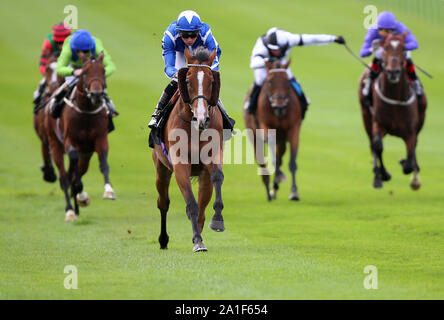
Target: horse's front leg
column 217, row 178
column 73, row 174
column 410, row 164
column 380, row 172
column 279, row 176
column 83, row 198
column 204, row 197
column 102, row 150
column 293, row 137
column 182, row 173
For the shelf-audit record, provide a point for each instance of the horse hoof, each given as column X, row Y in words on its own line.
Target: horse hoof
column 378, row 184
column 83, row 199
column 415, row 183
column 280, row 178
column 217, row 226
column 49, row 174
column 199, row 247
column 109, row 195
column 294, row 196
column 272, row 195
column 70, row 216
column 386, row 176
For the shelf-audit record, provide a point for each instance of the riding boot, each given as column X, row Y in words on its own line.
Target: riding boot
column 411, row 72
column 302, row 98
column 252, row 102
column 110, row 105
column 367, row 89
column 167, row 94
column 227, row 120
column 38, row 94
column 57, row 105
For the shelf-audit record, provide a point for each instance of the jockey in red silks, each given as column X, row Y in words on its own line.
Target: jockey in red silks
column 52, row 45
column 385, row 25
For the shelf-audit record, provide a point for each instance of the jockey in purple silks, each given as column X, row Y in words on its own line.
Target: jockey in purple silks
column 385, row 25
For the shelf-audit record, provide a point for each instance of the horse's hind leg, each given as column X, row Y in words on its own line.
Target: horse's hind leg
column 102, row 151
column 48, row 170
column 182, row 173
column 163, row 178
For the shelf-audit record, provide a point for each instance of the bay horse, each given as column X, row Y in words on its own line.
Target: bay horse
column 395, row 111
column 196, row 114
column 278, row 108
column 52, row 81
column 81, row 129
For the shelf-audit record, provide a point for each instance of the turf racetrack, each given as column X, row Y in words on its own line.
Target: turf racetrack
column 316, row 248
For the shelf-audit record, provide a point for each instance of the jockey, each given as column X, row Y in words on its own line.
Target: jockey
column 385, row 25
column 69, row 66
column 187, row 31
column 276, row 44
column 51, row 46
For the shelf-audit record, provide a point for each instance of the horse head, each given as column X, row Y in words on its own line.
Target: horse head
column 393, row 57
column 92, row 80
column 199, row 85
column 277, row 86
column 51, row 78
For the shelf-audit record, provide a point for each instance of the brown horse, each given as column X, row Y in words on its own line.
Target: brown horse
column 52, row 81
column 81, row 130
column 193, row 119
column 396, row 111
column 278, row 108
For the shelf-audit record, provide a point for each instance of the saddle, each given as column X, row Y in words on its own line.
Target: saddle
column 156, row 134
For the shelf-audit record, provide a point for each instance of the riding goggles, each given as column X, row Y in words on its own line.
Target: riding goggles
column 188, row 34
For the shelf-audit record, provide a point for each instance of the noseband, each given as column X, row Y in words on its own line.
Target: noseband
column 190, row 104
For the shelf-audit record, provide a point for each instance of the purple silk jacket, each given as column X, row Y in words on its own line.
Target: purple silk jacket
column 372, row 34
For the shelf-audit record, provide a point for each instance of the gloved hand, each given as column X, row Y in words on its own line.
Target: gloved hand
column 376, row 44
column 340, row 40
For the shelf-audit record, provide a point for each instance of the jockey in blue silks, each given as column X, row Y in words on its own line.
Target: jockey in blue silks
column 385, row 25
column 188, row 31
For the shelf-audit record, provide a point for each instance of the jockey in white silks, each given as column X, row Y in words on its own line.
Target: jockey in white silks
column 276, row 44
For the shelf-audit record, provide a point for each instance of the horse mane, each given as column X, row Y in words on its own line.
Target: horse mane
column 201, row 54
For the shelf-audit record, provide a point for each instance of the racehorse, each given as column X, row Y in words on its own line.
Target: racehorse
column 81, row 129
column 196, row 114
column 278, row 108
column 52, row 81
column 396, row 111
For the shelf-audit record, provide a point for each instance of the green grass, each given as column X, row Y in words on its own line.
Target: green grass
column 314, row 249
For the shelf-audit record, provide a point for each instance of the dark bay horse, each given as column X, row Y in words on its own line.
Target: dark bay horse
column 194, row 119
column 81, row 130
column 52, row 82
column 395, row 111
column 278, row 108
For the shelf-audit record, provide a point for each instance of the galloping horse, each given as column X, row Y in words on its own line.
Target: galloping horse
column 194, row 114
column 81, row 130
column 278, row 108
column 396, row 111
column 52, row 82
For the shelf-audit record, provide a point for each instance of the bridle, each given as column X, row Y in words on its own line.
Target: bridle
column 390, row 101
column 190, row 104
column 278, row 96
